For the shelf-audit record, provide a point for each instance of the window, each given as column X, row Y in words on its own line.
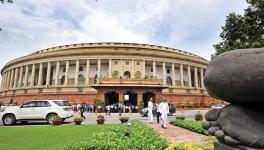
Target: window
column 61, row 103
column 81, row 79
column 81, row 69
column 28, row 105
column 62, row 79
column 42, row 104
column 127, row 74
column 115, row 74
column 168, row 70
column 151, row 69
column 116, row 62
column 138, row 63
column 168, row 81
column 138, row 75
column 127, row 62
column 64, row 69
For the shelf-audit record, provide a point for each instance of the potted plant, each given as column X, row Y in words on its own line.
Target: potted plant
column 77, row 120
column 56, row 120
column 124, row 119
column 100, row 119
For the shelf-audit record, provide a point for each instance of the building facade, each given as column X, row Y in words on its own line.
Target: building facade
column 111, row 72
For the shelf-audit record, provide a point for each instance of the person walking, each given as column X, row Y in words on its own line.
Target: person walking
column 158, row 112
column 82, row 109
column 150, row 114
column 164, row 110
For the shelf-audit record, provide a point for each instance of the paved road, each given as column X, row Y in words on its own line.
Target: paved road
column 114, row 117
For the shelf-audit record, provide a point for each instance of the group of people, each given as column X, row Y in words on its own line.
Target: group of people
column 162, row 112
column 85, row 107
column 120, row 108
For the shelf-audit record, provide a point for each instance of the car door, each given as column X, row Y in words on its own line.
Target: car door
column 42, row 107
column 27, row 111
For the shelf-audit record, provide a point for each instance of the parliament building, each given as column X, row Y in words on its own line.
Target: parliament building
column 111, row 72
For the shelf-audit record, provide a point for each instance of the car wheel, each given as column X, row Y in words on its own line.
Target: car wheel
column 50, row 118
column 9, row 120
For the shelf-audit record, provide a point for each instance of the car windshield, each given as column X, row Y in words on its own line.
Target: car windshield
column 62, row 103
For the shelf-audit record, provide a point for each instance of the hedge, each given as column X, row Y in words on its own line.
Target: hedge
column 192, row 125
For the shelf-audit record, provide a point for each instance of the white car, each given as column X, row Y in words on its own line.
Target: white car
column 36, row 110
column 218, row 106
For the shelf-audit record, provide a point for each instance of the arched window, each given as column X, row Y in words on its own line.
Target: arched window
column 81, row 79
column 168, row 71
column 62, row 79
column 138, row 75
column 168, row 81
column 127, row 74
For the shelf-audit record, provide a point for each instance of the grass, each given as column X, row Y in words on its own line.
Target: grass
column 45, row 137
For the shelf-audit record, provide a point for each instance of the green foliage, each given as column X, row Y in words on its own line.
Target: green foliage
column 45, row 137
column 98, row 102
column 124, row 119
column 187, row 146
column 198, row 116
column 243, row 31
column 180, row 117
column 210, row 139
column 77, row 118
column 56, row 118
column 134, row 137
column 192, row 125
column 141, row 104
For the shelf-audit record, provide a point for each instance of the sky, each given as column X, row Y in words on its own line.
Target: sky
column 190, row 25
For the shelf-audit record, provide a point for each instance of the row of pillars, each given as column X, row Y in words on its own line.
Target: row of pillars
column 14, row 78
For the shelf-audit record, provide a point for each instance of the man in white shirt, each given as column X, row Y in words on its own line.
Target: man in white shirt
column 164, row 110
column 150, row 114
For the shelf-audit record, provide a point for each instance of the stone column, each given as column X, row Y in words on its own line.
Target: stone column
column 20, row 77
column 48, row 74
column 121, row 96
column 173, row 74
column 66, row 81
column 12, row 78
column 189, row 76
column 57, row 73
column 7, row 79
column 143, row 69
column 77, row 72
column 181, row 75
column 195, row 77
column 26, row 76
column 110, row 68
column 133, row 68
column 164, row 73
column 15, row 78
column 87, row 75
column 99, row 68
column 32, row 80
column 154, row 69
column 202, row 77
column 40, row 77
column 2, row 80
column 139, row 99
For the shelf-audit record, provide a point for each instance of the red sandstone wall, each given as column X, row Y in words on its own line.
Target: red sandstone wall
column 187, row 101
column 72, row 98
column 192, row 101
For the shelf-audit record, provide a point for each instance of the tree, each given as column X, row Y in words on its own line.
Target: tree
column 243, row 31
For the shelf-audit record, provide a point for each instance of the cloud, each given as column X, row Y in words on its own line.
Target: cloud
column 191, row 25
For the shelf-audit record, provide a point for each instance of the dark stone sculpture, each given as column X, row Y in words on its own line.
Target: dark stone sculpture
column 237, row 77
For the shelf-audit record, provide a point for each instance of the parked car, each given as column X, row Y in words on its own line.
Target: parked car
column 172, row 109
column 218, row 106
column 36, row 110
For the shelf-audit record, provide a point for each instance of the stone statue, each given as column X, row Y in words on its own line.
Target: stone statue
column 238, row 78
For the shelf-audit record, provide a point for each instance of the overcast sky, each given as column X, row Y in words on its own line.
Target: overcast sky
column 190, row 25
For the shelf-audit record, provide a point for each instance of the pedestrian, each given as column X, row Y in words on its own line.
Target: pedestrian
column 82, row 109
column 164, row 110
column 150, row 108
column 158, row 112
column 108, row 109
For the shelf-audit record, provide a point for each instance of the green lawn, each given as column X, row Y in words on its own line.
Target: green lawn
column 44, row 137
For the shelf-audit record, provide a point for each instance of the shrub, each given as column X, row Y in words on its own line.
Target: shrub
column 77, row 119
column 192, row 125
column 198, row 116
column 187, row 146
column 180, row 117
column 124, row 119
column 136, row 137
column 100, row 119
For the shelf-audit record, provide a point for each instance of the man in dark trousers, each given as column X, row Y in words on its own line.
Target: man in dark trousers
column 158, row 111
column 82, row 111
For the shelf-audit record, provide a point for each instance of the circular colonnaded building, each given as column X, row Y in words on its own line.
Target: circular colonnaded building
column 111, row 72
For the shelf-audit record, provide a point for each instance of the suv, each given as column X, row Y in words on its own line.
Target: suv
column 36, row 110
